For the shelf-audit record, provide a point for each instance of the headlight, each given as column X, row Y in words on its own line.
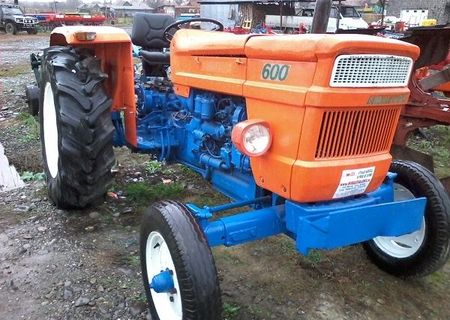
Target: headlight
column 85, row 35
column 19, row 19
column 252, row 137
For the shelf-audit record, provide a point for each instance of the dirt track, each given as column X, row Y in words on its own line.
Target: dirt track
column 83, row 265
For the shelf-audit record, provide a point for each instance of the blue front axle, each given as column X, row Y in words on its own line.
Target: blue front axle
column 324, row 225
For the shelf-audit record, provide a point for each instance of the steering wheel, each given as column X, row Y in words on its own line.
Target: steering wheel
column 169, row 32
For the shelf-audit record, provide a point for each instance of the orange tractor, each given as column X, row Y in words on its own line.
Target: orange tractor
column 295, row 129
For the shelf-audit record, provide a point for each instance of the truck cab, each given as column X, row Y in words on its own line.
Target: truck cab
column 13, row 20
column 341, row 17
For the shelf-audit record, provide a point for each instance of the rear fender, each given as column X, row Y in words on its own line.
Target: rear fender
column 114, row 48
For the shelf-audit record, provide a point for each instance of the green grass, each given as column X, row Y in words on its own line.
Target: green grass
column 141, row 297
column 134, row 260
column 228, row 256
column 314, row 257
column 15, row 70
column 287, row 246
column 143, row 193
column 209, row 199
column 125, row 21
column 230, row 311
column 187, row 172
column 31, row 127
column 437, row 145
column 32, row 176
column 153, row 166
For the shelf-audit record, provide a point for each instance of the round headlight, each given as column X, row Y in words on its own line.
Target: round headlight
column 252, row 137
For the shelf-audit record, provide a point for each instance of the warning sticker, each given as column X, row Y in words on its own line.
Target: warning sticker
column 353, row 182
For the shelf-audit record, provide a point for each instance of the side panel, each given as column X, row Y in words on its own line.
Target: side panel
column 217, row 74
column 281, row 102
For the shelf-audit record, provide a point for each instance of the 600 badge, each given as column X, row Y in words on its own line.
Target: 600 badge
column 275, row 71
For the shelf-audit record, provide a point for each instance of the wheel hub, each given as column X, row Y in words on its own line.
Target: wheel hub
column 163, row 282
column 164, row 286
column 406, row 245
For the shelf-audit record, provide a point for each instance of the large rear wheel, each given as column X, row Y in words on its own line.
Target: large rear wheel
column 427, row 249
column 76, row 128
column 178, row 270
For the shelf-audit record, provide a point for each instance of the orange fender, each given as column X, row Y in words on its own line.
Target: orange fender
column 114, row 48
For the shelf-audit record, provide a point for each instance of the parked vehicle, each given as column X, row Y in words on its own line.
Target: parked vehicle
column 345, row 18
column 13, row 20
column 50, row 20
column 412, row 17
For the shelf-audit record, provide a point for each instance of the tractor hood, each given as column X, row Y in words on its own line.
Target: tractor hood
column 304, row 47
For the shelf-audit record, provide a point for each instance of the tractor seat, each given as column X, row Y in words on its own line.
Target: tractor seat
column 156, row 57
column 148, row 33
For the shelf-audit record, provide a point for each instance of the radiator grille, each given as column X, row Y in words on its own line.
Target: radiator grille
column 356, row 132
column 371, row 71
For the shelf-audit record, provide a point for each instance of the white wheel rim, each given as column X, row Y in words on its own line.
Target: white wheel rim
column 158, row 258
column 50, row 131
column 406, row 245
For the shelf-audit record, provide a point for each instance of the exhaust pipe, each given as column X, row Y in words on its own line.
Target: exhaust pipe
column 322, row 12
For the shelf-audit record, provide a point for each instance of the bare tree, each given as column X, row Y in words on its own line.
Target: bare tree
column 72, row 4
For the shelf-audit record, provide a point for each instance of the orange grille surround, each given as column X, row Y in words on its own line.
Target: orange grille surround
column 356, row 132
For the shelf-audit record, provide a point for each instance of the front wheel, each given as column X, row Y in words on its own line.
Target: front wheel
column 32, row 31
column 426, row 250
column 11, row 28
column 76, row 128
column 178, row 270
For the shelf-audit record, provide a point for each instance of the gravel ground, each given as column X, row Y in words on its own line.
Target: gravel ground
column 58, row 264
column 53, row 265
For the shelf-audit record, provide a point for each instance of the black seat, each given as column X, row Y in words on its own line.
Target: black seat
column 148, row 33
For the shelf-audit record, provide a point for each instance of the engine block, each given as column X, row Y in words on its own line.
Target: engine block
column 195, row 131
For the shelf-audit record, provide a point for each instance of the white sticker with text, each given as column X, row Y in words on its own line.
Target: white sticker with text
column 354, row 182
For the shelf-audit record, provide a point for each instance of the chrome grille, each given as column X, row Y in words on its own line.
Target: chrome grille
column 369, row 70
column 356, row 132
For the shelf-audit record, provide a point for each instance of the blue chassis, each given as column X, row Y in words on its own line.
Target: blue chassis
column 324, row 225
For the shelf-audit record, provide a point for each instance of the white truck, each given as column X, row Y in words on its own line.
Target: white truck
column 349, row 18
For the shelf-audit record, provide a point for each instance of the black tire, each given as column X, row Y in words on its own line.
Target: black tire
column 194, row 264
column 32, row 98
column 10, row 28
column 32, row 31
column 433, row 252
column 81, row 173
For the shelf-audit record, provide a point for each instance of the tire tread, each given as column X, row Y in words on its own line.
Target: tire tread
column 84, row 126
column 435, row 250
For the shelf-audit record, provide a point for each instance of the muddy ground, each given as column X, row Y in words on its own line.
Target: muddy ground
column 57, row 264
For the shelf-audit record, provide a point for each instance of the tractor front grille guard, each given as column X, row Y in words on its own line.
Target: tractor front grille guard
column 371, row 70
column 356, row 132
